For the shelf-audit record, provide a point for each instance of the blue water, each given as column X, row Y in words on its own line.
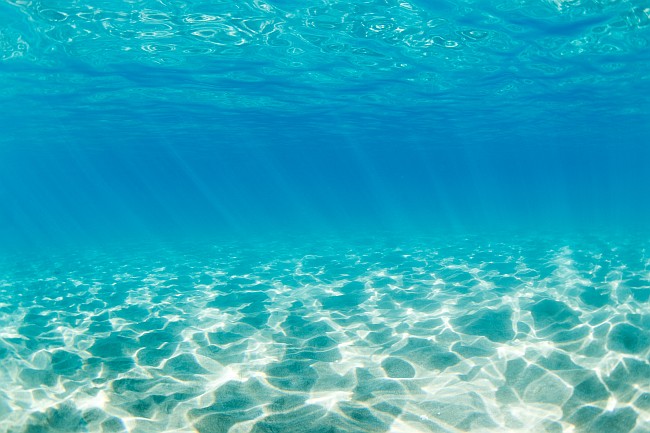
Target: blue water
column 325, row 216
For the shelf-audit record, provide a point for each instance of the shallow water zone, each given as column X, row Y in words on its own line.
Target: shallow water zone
column 463, row 334
column 129, row 128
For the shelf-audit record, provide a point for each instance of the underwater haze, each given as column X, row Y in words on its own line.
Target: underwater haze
column 325, row 216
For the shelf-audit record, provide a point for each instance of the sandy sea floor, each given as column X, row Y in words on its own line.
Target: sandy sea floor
column 521, row 334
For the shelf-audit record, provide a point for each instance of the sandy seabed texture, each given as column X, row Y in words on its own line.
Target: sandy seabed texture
column 422, row 335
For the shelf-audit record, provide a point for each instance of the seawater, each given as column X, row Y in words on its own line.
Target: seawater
column 324, row 216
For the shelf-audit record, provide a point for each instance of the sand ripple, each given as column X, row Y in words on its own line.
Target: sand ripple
column 429, row 335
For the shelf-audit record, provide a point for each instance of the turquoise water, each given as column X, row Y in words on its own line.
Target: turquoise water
column 324, row 216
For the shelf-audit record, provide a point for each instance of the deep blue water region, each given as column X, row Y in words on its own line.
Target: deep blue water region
column 73, row 195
